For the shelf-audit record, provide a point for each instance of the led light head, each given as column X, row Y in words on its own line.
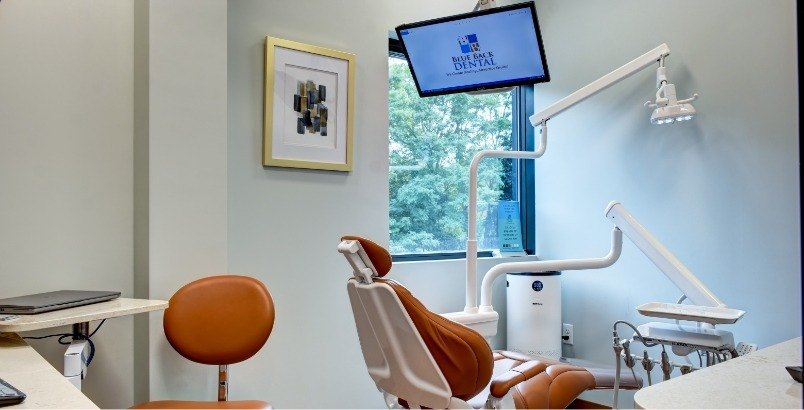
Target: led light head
column 672, row 113
column 667, row 109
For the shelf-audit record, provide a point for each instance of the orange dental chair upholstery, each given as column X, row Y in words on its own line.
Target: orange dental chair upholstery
column 418, row 358
column 218, row 320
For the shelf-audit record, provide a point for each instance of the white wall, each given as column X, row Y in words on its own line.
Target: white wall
column 698, row 186
column 721, row 192
column 284, row 224
column 186, row 139
column 66, row 166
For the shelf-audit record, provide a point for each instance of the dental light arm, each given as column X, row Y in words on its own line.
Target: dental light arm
column 688, row 283
column 624, row 222
column 471, row 242
column 667, row 110
column 547, row 266
column 637, row 64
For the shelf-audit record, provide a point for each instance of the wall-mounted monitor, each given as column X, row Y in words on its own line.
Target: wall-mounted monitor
column 481, row 50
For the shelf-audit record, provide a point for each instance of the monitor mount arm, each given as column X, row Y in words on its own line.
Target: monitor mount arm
column 485, row 4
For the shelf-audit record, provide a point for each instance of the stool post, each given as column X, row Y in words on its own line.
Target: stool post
column 223, row 382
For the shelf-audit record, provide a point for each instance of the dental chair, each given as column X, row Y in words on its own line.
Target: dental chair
column 419, row 359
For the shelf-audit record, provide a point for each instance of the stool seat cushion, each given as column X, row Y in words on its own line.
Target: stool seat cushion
column 184, row 404
column 219, row 320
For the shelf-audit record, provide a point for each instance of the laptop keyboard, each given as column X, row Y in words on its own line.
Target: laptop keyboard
column 9, row 394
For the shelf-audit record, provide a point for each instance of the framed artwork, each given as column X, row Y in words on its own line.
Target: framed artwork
column 309, row 105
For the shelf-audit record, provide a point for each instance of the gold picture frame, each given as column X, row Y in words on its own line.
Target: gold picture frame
column 309, row 106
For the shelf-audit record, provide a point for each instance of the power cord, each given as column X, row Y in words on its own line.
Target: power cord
column 73, row 336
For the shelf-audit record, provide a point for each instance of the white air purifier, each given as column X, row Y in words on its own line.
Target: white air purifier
column 533, row 307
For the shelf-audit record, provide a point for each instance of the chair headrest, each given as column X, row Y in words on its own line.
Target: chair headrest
column 379, row 256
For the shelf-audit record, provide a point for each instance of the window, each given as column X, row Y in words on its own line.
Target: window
column 431, row 144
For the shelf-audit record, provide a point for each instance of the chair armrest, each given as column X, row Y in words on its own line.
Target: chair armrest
column 502, row 383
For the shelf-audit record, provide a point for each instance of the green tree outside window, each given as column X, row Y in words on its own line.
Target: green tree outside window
column 432, row 142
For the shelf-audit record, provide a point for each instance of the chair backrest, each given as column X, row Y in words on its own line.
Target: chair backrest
column 396, row 357
column 219, row 320
column 411, row 352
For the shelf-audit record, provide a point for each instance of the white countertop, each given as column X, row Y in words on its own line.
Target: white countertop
column 25, row 369
column 87, row 313
column 756, row 380
column 29, row 372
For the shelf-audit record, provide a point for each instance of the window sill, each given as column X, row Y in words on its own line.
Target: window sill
column 491, row 258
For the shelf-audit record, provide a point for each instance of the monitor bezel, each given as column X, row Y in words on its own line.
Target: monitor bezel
column 478, row 86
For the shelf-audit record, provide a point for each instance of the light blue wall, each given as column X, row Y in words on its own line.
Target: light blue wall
column 285, row 224
column 721, row 192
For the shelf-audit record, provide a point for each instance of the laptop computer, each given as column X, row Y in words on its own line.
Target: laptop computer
column 49, row 301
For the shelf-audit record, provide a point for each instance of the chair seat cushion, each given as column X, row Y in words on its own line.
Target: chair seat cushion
column 549, row 383
column 183, row 404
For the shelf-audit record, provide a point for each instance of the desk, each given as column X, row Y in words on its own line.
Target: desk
column 45, row 387
column 82, row 314
column 756, row 380
column 28, row 371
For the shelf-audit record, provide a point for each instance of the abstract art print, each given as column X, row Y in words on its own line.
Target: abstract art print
column 308, row 106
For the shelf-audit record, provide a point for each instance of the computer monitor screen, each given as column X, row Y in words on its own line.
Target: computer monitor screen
column 481, row 50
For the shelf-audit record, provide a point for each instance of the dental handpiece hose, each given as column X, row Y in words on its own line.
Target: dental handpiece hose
column 629, row 360
column 647, row 364
column 618, row 349
column 666, row 367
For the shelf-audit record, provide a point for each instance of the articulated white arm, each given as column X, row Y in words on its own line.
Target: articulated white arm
column 547, row 266
column 601, row 84
column 540, row 119
column 671, row 266
column 471, row 242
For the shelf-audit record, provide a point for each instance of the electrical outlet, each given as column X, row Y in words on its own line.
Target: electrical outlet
column 566, row 333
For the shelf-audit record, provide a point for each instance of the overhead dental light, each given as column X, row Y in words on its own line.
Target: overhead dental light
column 667, row 109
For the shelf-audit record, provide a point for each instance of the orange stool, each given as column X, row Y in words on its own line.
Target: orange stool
column 218, row 320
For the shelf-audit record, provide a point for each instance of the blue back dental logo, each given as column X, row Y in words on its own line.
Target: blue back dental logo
column 469, row 43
